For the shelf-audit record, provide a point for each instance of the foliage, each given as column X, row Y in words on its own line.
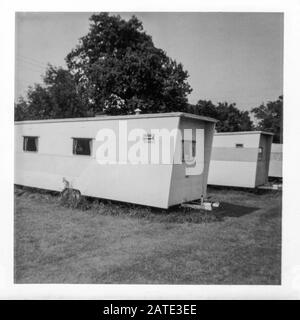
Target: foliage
column 21, row 110
column 59, row 97
column 229, row 116
column 118, row 60
column 270, row 118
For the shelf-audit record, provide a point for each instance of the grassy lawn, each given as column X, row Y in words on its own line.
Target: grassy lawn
column 240, row 243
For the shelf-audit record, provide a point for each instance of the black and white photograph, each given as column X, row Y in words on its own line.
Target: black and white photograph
column 150, row 153
column 148, row 148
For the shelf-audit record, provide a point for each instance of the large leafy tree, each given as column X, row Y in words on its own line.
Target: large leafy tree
column 229, row 116
column 58, row 97
column 270, row 118
column 121, row 69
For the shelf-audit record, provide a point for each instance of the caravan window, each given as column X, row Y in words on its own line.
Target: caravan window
column 260, row 153
column 188, row 150
column 30, row 144
column 82, row 146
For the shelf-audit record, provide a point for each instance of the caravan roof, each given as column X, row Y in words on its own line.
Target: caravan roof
column 243, row 132
column 124, row 117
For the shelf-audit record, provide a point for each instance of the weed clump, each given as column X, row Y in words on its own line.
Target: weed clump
column 71, row 198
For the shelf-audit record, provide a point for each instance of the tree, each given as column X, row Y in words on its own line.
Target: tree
column 269, row 118
column 58, row 97
column 229, row 116
column 21, row 110
column 36, row 106
column 117, row 61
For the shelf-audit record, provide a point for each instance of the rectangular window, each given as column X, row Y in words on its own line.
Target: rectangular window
column 239, row 145
column 188, row 150
column 82, row 146
column 260, row 153
column 30, row 144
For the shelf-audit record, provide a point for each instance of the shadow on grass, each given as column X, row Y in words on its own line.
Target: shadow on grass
column 233, row 210
column 242, row 190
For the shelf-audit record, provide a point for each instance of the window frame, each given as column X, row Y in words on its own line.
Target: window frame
column 193, row 149
column 90, row 145
column 37, row 144
column 260, row 153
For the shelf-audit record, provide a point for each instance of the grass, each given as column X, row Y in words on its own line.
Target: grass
column 109, row 242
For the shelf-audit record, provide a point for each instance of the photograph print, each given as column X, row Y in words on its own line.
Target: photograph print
column 148, row 148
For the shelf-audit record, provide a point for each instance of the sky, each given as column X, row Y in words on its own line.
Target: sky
column 233, row 57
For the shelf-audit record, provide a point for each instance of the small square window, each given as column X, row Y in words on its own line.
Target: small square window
column 239, row 145
column 30, row 144
column 82, row 146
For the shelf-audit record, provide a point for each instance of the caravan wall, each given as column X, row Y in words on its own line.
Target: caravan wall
column 275, row 169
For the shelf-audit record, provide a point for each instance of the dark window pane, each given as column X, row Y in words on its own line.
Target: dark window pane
column 260, row 153
column 82, row 146
column 30, row 143
column 194, row 149
column 188, row 150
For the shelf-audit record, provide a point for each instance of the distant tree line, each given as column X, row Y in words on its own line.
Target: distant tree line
column 229, row 116
column 269, row 116
column 115, row 69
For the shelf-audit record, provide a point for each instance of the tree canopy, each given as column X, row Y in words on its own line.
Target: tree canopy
column 229, row 116
column 121, row 69
column 58, row 97
column 270, row 118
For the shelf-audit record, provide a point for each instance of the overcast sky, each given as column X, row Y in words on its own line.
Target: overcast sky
column 234, row 57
